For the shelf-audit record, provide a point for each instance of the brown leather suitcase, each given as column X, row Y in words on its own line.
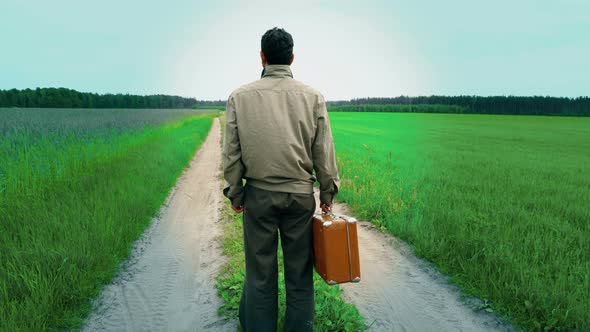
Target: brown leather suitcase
column 336, row 249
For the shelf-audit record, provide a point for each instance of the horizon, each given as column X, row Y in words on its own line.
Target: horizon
column 343, row 49
column 328, row 100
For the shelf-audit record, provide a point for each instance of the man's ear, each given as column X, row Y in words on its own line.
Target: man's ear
column 292, row 57
column 262, row 58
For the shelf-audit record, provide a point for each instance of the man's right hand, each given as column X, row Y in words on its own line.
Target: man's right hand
column 325, row 207
column 239, row 209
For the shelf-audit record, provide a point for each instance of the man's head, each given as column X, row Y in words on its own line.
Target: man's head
column 276, row 47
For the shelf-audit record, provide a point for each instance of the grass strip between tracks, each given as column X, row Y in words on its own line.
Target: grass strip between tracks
column 62, row 238
column 332, row 313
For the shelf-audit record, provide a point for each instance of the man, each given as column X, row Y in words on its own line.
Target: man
column 277, row 133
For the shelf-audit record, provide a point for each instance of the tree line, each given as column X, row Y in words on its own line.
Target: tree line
column 68, row 98
column 535, row 105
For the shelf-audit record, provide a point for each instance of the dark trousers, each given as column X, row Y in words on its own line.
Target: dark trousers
column 265, row 214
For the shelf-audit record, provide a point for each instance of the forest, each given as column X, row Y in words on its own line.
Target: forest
column 68, row 98
column 535, row 105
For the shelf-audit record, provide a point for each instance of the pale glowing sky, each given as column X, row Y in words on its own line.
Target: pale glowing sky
column 346, row 49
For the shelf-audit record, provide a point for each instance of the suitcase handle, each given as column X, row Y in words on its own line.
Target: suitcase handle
column 348, row 219
column 333, row 215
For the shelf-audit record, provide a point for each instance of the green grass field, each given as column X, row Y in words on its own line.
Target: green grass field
column 497, row 202
column 77, row 187
column 500, row 203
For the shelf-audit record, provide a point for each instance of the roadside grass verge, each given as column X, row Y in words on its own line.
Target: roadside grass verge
column 71, row 210
column 500, row 203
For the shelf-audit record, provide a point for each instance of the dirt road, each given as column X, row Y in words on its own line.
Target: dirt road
column 168, row 283
column 399, row 292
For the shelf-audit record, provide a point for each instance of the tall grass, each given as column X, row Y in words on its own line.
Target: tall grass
column 498, row 202
column 72, row 204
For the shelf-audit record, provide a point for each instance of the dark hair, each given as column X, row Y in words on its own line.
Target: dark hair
column 277, row 46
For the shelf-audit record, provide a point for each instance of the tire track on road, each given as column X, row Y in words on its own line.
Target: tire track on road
column 168, row 283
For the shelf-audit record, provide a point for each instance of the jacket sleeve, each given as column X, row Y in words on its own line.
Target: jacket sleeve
column 233, row 168
column 324, row 156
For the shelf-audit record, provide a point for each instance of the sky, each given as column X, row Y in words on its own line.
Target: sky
column 345, row 49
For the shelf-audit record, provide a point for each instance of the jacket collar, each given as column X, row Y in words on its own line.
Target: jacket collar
column 277, row 71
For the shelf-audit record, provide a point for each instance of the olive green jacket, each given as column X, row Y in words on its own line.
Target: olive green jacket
column 277, row 133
